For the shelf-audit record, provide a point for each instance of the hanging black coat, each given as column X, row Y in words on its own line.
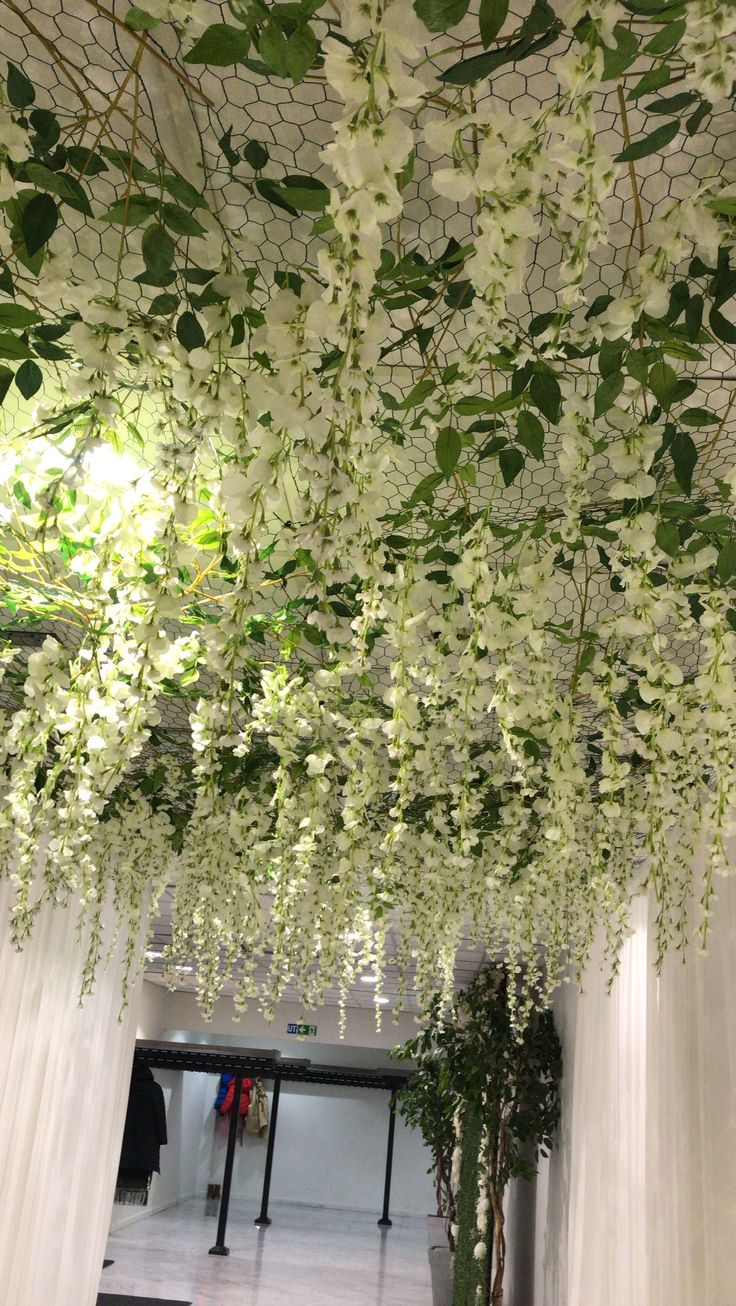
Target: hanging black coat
column 145, row 1123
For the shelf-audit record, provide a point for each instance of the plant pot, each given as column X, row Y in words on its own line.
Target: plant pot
column 437, row 1231
column 440, row 1268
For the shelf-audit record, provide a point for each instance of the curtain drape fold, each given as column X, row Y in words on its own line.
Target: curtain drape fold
column 638, row 1203
column 63, row 1093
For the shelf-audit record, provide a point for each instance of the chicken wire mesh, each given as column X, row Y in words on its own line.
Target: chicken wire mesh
column 106, row 84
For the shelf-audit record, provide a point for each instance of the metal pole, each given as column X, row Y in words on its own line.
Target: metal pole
column 384, row 1220
column 219, row 1248
column 263, row 1218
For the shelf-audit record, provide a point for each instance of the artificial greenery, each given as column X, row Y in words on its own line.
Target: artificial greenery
column 371, row 497
column 491, row 1095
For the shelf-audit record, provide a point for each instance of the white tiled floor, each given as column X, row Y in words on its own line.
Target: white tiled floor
column 308, row 1257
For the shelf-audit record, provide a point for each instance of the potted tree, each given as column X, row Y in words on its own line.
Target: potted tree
column 485, row 1096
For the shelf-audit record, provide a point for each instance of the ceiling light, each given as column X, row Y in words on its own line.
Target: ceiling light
column 185, row 970
column 153, row 956
column 380, row 1002
column 369, row 979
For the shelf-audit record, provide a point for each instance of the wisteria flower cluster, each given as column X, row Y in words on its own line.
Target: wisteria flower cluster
column 356, row 595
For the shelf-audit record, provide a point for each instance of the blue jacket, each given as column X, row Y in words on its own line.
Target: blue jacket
column 223, row 1086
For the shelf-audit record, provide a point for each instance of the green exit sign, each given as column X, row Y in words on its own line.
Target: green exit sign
column 306, row 1031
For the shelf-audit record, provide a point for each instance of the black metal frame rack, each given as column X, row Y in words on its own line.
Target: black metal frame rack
column 268, row 1064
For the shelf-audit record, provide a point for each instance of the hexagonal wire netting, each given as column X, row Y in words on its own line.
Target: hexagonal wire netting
column 78, row 54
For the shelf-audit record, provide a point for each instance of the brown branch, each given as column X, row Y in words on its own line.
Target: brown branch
column 639, row 225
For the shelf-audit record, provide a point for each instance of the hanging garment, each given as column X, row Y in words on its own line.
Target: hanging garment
column 143, row 1137
column 227, row 1101
column 222, row 1087
column 257, row 1121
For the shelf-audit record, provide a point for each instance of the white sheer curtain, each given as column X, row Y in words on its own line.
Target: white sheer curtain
column 638, row 1204
column 63, row 1093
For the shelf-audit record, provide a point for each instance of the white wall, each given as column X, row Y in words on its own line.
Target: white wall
column 330, row 1151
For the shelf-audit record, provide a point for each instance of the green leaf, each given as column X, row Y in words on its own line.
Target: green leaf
column 15, row 315
column 47, row 129
column 663, row 383
column 667, row 536
column 654, row 80
column 13, row 347
column 68, row 188
column 699, row 417
column 447, row 450
column 530, row 433
column 616, row 59
column 183, row 191
column 439, row 15
column 139, row 21
column 721, row 327
column 301, row 52
column 468, row 71
column 672, row 104
column 21, row 92
column 607, row 394
column 492, row 16
column 696, row 120
column 546, row 396
column 666, row 38
column 29, row 378
column 304, row 193
column 158, row 250
column 133, row 211
column 86, row 161
column 424, row 491
column 164, row 304
column 6, row 380
column 177, row 219
column 637, row 366
column 726, row 206
column 272, row 49
column 21, row 494
column 726, row 565
column 189, row 331
column 256, row 154
column 220, row 45
column 684, row 456
column 646, row 145
column 38, row 222
column 511, row 462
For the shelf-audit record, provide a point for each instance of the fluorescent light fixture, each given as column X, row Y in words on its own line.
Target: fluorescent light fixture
column 185, row 970
column 369, row 979
column 153, row 956
column 380, row 1002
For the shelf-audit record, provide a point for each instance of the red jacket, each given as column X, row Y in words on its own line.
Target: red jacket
column 244, row 1097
